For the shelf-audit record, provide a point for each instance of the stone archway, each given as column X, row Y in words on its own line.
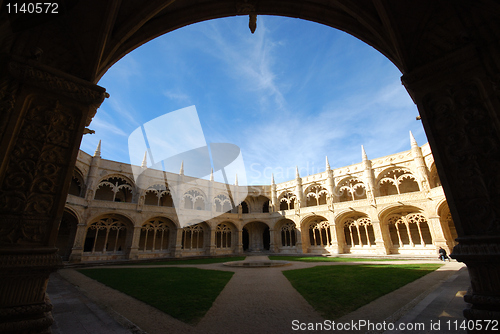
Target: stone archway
column 66, row 234
column 258, row 237
column 447, row 51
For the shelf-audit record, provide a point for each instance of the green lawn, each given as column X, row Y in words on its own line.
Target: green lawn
column 324, row 259
column 184, row 293
column 337, row 290
column 191, row 261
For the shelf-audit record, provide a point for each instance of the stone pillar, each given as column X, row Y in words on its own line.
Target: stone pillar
column 272, row 244
column 211, row 242
column 239, row 242
column 458, row 100
column 134, row 247
column 77, row 251
column 178, row 243
column 43, row 113
column 274, row 196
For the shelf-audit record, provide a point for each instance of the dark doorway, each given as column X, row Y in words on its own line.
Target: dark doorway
column 66, row 235
column 266, row 238
column 246, row 239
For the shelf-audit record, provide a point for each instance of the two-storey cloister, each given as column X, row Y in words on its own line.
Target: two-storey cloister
column 389, row 205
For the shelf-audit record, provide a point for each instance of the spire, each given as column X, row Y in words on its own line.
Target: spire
column 297, row 172
column 327, row 164
column 181, row 172
column 272, row 178
column 97, row 152
column 413, row 141
column 236, row 180
column 145, row 160
column 363, row 153
column 211, row 174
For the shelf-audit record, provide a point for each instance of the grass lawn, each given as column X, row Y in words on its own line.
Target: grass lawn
column 324, row 259
column 184, row 293
column 191, row 261
column 337, row 290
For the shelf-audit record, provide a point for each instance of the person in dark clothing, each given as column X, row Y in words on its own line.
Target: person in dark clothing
column 442, row 254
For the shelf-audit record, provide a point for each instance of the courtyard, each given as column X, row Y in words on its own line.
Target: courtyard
column 256, row 300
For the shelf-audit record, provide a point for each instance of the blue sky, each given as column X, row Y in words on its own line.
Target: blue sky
column 288, row 95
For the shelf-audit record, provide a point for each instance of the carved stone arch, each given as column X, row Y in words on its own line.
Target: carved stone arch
column 77, row 187
column 447, row 223
column 226, row 235
column 350, row 188
column 287, row 234
column 115, row 187
column 396, row 180
column 222, row 202
column 108, row 236
column 194, row 199
column 434, row 179
column 316, row 194
column 67, row 232
column 287, row 200
column 358, row 231
column 157, row 236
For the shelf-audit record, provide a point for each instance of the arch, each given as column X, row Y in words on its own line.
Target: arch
column 447, row 224
column 108, row 236
column 287, row 234
column 317, row 234
column 287, row 200
column 222, row 203
column 258, row 236
column 434, row 179
column 194, row 199
column 350, row 189
column 66, row 234
column 315, row 195
column 395, row 181
column 77, row 185
column 157, row 235
column 195, row 237
column 224, row 236
column 358, row 232
column 257, row 204
column 408, row 230
column 115, row 188
column 244, row 207
column 159, row 195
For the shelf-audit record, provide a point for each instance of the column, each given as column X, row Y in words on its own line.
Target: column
column 134, row 247
column 458, row 100
column 239, row 242
column 178, row 243
column 211, row 247
column 43, row 113
column 272, row 244
column 77, row 250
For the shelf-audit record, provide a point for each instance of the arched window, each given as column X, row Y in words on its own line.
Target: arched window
column 409, row 230
column 319, row 234
column 359, row 232
column 222, row 203
column 287, row 201
column 244, row 207
column 194, row 200
column 114, row 189
column 434, row 177
column 397, row 181
column 288, row 234
column 76, row 185
column 192, row 237
column 155, row 236
column 158, row 195
column 316, row 195
column 351, row 190
column 107, row 235
column 223, row 234
column 265, row 206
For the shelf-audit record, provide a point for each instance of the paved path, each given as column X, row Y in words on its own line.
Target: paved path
column 256, row 300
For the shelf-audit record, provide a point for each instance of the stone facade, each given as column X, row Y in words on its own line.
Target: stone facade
column 390, row 205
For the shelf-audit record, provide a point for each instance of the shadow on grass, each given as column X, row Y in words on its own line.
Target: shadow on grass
column 184, row 293
column 338, row 290
column 173, row 262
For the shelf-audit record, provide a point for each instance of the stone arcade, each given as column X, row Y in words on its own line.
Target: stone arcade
column 448, row 52
column 389, row 205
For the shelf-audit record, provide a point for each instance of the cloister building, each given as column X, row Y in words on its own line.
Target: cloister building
column 389, row 205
